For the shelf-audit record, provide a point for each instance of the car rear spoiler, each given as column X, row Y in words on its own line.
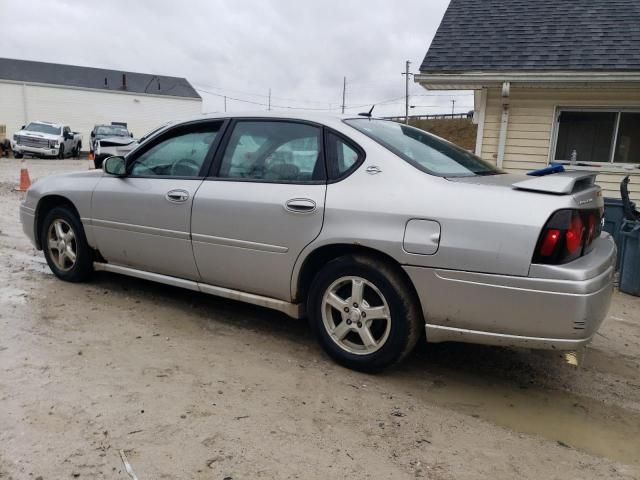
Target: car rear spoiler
column 563, row 183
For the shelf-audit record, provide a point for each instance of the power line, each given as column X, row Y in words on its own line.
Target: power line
column 262, row 104
column 208, row 88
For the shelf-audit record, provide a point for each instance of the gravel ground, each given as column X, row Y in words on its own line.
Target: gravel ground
column 194, row 387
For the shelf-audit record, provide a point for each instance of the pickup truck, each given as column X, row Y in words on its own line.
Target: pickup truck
column 116, row 130
column 45, row 139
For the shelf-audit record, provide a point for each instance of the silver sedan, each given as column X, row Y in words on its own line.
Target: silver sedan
column 374, row 230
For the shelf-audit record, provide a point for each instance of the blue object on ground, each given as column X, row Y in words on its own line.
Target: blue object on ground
column 553, row 168
column 630, row 258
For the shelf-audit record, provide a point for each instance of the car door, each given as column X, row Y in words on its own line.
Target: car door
column 67, row 140
column 142, row 220
column 261, row 207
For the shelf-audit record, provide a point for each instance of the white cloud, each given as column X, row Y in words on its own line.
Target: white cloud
column 299, row 49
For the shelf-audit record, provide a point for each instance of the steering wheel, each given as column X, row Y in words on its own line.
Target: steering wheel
column 185, row 167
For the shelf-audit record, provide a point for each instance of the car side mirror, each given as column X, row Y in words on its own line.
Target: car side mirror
column 22, row 127
column 114, row 166
column 93, row 134
column 131, row 134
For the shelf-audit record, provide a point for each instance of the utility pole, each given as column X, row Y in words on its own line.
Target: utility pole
column 225, row 104
column 344, row 92
column 406, row 95
column 453, row 106
column 269, row 107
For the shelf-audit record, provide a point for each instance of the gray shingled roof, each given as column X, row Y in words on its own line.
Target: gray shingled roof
column 89, row 77
column 526, row 35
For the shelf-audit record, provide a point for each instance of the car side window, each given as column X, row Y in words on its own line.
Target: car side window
column 274, row 151
column 342, row 156
column 181, row 154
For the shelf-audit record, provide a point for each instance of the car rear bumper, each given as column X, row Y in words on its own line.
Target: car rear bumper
column 557, row 307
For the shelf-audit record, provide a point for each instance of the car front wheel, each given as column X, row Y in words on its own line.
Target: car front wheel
column 364, row 313
column 65, row 245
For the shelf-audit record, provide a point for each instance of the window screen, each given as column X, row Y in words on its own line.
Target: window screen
column 628, row 139
column 598, row 137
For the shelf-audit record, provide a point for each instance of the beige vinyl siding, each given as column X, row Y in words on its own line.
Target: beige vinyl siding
column 530, row 129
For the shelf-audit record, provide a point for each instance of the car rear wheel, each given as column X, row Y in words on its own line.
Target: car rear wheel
column 17, row 155
column 364, row 313
column 65, row 245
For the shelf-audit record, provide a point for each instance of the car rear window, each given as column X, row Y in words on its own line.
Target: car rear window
column 424, row 151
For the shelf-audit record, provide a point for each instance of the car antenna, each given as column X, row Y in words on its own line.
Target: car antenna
column 367, row 114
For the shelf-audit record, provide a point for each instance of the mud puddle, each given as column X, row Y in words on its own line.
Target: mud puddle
column 570, row 420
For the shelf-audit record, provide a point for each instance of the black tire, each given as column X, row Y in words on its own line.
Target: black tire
column 76, row 151
column 83, row 265
column 407, row 322
column 98, row 160
column 61, row 152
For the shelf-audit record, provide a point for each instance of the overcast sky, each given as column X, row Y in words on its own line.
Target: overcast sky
column 301, row 49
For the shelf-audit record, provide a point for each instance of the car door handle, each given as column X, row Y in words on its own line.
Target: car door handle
column 300, row 205
column 177, row 196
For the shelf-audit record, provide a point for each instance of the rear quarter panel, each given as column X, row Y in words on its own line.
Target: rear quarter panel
column 484, row 228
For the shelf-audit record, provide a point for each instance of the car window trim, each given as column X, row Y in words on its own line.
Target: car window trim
column 168, row 133
column 216, row 164
column 331, row 167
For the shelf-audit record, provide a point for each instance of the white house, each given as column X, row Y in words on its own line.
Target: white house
column 84, row 96
column 553, row 81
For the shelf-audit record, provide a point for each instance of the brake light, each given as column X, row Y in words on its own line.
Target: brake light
column 575, row 234
column 567, row 235
column 549, row 243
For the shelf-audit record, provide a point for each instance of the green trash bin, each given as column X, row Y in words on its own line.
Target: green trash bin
column 630, row 258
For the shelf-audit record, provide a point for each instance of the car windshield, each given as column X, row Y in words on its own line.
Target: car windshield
column 43, row 128
column 423, row 150
column 112, row 131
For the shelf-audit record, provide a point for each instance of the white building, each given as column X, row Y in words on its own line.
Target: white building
column 84, row 96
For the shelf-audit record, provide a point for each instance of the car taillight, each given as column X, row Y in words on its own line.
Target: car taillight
column 567, row 235
column 549, row 243
column 592, row 224
column 575, row 234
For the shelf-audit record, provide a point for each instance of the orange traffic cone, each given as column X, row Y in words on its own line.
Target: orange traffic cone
column 25, row 180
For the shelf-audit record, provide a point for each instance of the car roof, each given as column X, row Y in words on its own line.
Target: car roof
column 41, row 122
column 324, row 118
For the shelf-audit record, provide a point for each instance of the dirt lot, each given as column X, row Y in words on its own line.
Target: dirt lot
column 195, row 387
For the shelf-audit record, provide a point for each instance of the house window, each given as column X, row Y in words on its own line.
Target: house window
column 598, row 136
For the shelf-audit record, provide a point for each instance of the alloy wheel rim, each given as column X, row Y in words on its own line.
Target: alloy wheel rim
column 356, row 315
column 62, row 244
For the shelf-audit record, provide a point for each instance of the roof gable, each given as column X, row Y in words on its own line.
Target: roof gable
column 97, row 78
column 530, row 35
